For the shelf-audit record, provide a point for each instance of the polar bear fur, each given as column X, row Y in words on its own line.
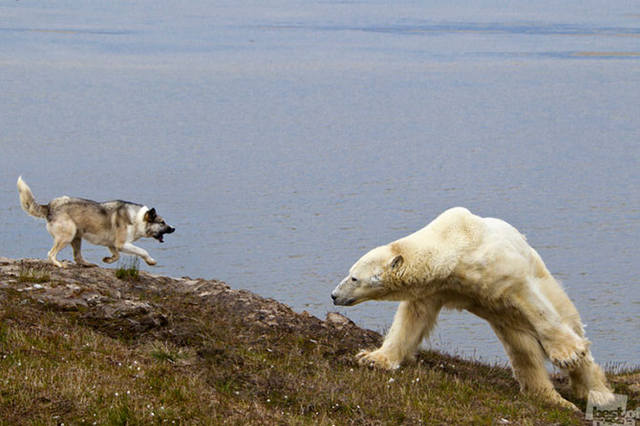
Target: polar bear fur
column 485, row 266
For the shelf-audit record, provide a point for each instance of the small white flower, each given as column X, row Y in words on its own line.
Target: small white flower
column 391, row 380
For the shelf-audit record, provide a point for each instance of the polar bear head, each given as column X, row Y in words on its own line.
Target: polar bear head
column 371, row 277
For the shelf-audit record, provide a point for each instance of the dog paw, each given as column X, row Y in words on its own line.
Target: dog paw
column 150, row 261
column 109, row 259
column 570, row 354
column 85, row 264
column 376, row 359
column 58, row 263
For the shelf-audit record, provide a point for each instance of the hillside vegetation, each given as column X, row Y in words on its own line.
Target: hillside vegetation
column 82, row 346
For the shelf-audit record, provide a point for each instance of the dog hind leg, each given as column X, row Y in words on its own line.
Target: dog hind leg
column 63, row 233
column 76, row 244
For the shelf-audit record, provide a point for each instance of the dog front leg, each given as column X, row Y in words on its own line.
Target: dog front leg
column 115, row 255
column 137, row 251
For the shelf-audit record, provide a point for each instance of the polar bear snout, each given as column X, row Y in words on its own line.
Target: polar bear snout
column 334, row 297
column 341, row 301
column 342, row 294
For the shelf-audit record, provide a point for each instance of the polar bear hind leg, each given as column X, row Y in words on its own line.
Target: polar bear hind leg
column 527, row 362
column 588, row 381
column 564, row 347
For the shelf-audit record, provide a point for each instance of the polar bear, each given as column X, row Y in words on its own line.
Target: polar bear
column 485, row 266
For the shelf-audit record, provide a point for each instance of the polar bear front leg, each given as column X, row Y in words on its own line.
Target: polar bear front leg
column 413, row 321
column 564, row 347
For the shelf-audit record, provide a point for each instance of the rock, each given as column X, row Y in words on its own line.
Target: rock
column 159, row 305
column 339, row 321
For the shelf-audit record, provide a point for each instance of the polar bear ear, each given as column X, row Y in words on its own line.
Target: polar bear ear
column 396, row 262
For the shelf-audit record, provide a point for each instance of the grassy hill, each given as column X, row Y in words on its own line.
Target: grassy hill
column 82, row 346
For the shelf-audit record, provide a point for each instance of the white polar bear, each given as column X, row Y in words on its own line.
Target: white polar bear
column 483, row 265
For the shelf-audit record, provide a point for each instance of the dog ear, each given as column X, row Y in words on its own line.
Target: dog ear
column 150, row 215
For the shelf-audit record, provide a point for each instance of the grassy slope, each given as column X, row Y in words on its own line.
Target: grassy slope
column 213, row 363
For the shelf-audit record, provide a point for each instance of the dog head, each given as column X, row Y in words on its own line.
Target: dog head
column 155, row 226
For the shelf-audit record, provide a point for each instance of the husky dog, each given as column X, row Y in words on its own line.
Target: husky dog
column 114, row 224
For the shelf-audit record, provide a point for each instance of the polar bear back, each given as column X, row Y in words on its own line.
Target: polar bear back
column 479, row 249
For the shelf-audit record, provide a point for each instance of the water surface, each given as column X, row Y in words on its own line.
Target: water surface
column 284, row 140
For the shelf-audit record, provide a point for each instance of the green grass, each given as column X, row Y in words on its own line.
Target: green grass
column 129, row 270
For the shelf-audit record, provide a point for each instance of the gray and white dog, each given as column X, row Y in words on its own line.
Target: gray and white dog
column 114, row 224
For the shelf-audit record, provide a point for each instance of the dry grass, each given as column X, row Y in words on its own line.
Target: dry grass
column 209, row 365
column 33, row 275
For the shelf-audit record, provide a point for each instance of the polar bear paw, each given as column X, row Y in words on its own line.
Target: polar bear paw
column 377, row 359
column 569, row 354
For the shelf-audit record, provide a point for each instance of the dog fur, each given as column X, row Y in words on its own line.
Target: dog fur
column 113, row 224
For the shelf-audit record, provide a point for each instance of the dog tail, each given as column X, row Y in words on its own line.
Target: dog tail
column 28, row 202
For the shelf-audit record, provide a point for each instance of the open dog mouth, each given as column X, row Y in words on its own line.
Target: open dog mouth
column 160, row 235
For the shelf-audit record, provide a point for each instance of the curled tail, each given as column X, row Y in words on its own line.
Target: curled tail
column 28, row 202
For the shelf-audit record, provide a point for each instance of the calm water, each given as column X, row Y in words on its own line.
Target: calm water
column 285, row 138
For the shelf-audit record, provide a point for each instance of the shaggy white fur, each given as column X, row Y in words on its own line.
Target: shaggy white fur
column 485, row 266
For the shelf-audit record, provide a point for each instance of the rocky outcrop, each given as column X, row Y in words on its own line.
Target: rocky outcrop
column 126, row 307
